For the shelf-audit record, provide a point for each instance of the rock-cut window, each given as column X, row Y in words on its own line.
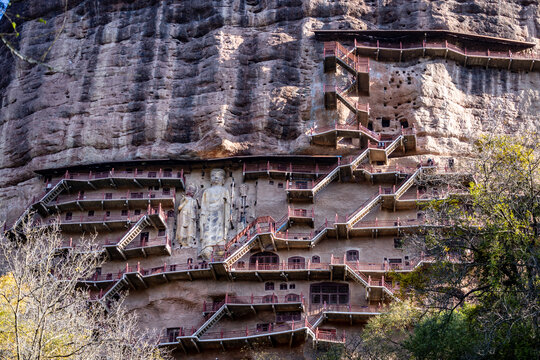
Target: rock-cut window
column 269, row 286
column 353, row 255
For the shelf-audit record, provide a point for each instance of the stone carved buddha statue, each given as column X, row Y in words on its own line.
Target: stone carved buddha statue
column 215, row 214
column 187, row 218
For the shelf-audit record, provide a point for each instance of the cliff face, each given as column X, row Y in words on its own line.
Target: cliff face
column 169, row 79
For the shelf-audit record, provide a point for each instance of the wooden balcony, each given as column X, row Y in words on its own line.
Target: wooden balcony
column 109, row 200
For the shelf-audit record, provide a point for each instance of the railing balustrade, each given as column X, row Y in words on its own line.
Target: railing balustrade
column 529, row 55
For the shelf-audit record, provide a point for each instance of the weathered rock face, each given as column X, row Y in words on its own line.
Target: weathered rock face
column 170, row 79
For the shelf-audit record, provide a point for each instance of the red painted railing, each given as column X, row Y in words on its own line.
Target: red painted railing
column 328, row 335
column 307, row 265
column 136, row 173
column 529, row 55
column 295, row 236
column 128, row 195
column 265, row 167
column 300, row 213
column 388, row 223
column 248, row 232
column 252, row 300
column 347, row 127
column 357, row 63
column 252, row 331
column 157, row 241
column 102, row 217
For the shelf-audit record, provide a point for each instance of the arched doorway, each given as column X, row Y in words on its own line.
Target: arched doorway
column 297, row 262
column 264, row 261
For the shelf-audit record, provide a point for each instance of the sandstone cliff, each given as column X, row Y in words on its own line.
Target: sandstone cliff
column 170, row 79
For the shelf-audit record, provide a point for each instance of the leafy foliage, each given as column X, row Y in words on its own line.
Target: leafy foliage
column 477, row 295
column 44, row 313
column 486, row 251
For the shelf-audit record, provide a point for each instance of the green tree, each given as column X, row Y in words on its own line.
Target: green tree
column 485, row 249
column 446, row 335
column 476, row 297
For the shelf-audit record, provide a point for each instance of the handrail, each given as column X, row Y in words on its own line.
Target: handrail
column 254, row 300
column 267, row 166
column 247, row 229
column 136, row 173
column 450, row 47
column 356, row 63
column 100, row 218
column 128, row 195
column 347, row 127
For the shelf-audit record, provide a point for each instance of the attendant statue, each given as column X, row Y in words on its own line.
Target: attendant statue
column 186, row 227
column 215, row 214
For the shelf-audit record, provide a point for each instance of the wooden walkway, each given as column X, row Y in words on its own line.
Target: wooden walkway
column 489, row 59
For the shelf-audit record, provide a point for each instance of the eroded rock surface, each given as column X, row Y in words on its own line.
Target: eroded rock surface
column 170, row 79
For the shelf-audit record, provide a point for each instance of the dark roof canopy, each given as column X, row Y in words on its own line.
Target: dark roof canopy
column 419, row 35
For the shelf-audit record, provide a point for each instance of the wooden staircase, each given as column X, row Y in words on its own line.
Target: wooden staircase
column 336, row 54
column 114, row 290
column 211, row 321
column 133, row 232
column 46, row 199
column 363, row 211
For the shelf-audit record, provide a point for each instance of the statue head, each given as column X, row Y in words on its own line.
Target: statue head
column 217, row 176
column 244, row 189
column 191, row 189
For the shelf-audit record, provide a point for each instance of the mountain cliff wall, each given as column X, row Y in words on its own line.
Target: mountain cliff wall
column 148, row 79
